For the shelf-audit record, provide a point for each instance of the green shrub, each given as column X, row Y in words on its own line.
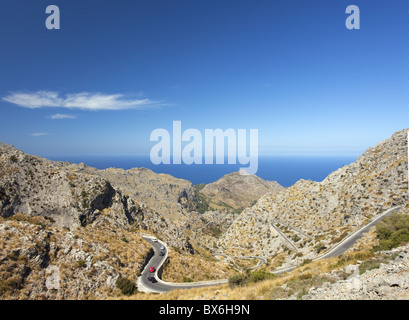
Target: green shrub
column 84, row 201
column 305, row 276
column 301, row 284
column 177, row 249
column 216, row 232
column 296, row 238
column 202, row 204
column 340, row 238
column 369, row 265
column 13, row 158
column 242, row 279
column 187, row 279
column 319, row 247
column 126, row 286
column 393, row 231
column 84, row 204
column 11, row 284
column 81, row 264
column 199, row 186
column 238, row 279
column 305, row 262
column 260, row 275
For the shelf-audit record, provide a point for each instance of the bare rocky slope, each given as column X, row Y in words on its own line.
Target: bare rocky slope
column 88, row 223
column 37, row 186
column 39, row 261
column 238, row 191
column 161, row 192
column 304, row 220
column 388, row 282
column 75, row 195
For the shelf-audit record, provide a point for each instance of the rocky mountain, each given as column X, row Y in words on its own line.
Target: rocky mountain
column 87, row 223
column 306, row 219
column 37, row 186
column 169, row 203
column 74, row 195
column 39, row 261
column 237, row 191
column 160, row 192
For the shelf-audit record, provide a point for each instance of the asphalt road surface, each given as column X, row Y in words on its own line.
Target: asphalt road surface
column 162, row 286
column 348, row 242
column 157, row 261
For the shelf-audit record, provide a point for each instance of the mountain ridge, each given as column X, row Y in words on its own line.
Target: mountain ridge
column 324, row 212
column 80, row 216
column 237, row 190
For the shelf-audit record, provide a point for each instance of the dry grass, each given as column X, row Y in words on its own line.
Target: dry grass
column 292, row 284
column 113, row 250
column 263, row 290
column 121, row 247
column 201, row 266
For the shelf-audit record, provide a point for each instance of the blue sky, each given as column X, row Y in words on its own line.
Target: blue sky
column 116, row 70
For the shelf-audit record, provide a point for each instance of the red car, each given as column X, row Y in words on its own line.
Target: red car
column 152, row 269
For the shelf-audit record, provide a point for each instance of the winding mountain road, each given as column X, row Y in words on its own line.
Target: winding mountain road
column 157, row 260
column 348, row 242
column 161, row 286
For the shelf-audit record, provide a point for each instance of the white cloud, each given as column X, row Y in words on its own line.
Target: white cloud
column 82, row 101
column 35, row 100
column 39, row 134
column 60, row 116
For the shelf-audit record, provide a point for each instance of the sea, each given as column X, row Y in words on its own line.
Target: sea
column 285, row 170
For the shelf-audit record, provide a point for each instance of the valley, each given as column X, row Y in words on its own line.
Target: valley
column 94, row 225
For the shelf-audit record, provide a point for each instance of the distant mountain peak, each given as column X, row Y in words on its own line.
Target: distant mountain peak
column 237, row 191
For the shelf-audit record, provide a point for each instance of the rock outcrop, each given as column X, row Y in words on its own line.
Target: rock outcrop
column 38, row 261
column 40, row 187
column 388, row 282
column 160, row 192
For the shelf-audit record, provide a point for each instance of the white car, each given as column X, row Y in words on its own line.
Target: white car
column 155, row 240
column 162, row 247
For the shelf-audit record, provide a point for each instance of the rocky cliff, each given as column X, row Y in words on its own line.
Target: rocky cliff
column 160, row 192
column 39, row 187
column 86, row 223
column 74, row 195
